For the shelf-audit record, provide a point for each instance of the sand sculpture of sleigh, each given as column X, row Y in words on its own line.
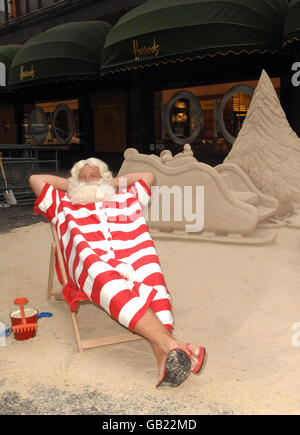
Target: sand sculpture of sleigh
column 232, row 206
column 243, row 189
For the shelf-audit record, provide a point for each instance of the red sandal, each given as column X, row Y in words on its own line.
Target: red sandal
column 201, row 359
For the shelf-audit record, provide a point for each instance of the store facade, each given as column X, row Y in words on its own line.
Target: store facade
column 58, row 99
column 55, row 78
column 196, row 64
column 169, row 72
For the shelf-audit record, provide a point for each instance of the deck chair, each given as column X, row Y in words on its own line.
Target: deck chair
column 56, row 255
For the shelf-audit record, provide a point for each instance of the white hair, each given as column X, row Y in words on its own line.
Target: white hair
column 81, row 192
column 95, row 163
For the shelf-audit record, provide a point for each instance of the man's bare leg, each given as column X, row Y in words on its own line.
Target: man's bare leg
column 161, row 340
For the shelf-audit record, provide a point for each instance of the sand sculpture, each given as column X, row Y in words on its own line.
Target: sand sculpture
column 192, row 200
column 167, row 158
column 268, row 150
column 242, row 188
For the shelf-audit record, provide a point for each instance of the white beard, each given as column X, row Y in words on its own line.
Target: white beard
column 82, row 192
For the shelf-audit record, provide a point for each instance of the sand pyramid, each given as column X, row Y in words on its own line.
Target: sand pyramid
column 267, row 148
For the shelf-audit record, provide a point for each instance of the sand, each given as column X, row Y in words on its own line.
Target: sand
column 267, row 148
column 241, row 302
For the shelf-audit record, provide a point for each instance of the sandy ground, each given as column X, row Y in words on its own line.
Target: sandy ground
column 241, row 302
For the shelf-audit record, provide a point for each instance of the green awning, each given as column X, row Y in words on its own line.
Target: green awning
column 292, row 23
column 7, row 53
column 161, row 31
column 71, row 50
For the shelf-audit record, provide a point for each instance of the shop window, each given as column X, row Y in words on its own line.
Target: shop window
column 233, row 110
column 63, row 123
column 184, row 117
column 51, row 123
column 208, row 117
column 38, row 125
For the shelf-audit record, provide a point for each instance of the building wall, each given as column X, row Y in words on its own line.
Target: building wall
column 20, row 29
column 110, row 120
column 7, row 124
column 132, row 108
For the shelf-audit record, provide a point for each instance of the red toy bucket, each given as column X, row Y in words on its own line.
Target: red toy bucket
column 31, row 316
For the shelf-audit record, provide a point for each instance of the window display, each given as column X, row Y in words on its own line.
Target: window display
column 209, row 117
column 38, row 125
column 63, row 123
column 184, row 117
column 51, row 123
column 233, row 110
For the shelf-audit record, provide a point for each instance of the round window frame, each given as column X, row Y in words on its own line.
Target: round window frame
column 59, row 108
column 41, row 139
column 246, row 89
column 187, row 95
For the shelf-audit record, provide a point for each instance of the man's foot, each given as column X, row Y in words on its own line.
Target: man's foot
column 200, row 354
column 196, row 355
column 175, row 369
column 193, row 350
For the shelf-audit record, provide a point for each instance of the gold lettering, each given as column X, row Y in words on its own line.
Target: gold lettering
column 30, row 73
column 135, row 50
column 144, row 50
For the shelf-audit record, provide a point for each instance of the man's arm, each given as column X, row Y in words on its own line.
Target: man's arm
column 38, row 181
column 148, row 177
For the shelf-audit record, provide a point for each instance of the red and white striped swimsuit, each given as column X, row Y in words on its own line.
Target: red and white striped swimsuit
column 96, row 237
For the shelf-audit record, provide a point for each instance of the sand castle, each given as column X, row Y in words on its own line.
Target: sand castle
column 268, row 150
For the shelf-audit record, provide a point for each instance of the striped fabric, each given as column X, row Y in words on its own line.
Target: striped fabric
column 97, row 239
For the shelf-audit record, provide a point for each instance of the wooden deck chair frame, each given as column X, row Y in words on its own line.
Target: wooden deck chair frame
column 81, row 344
